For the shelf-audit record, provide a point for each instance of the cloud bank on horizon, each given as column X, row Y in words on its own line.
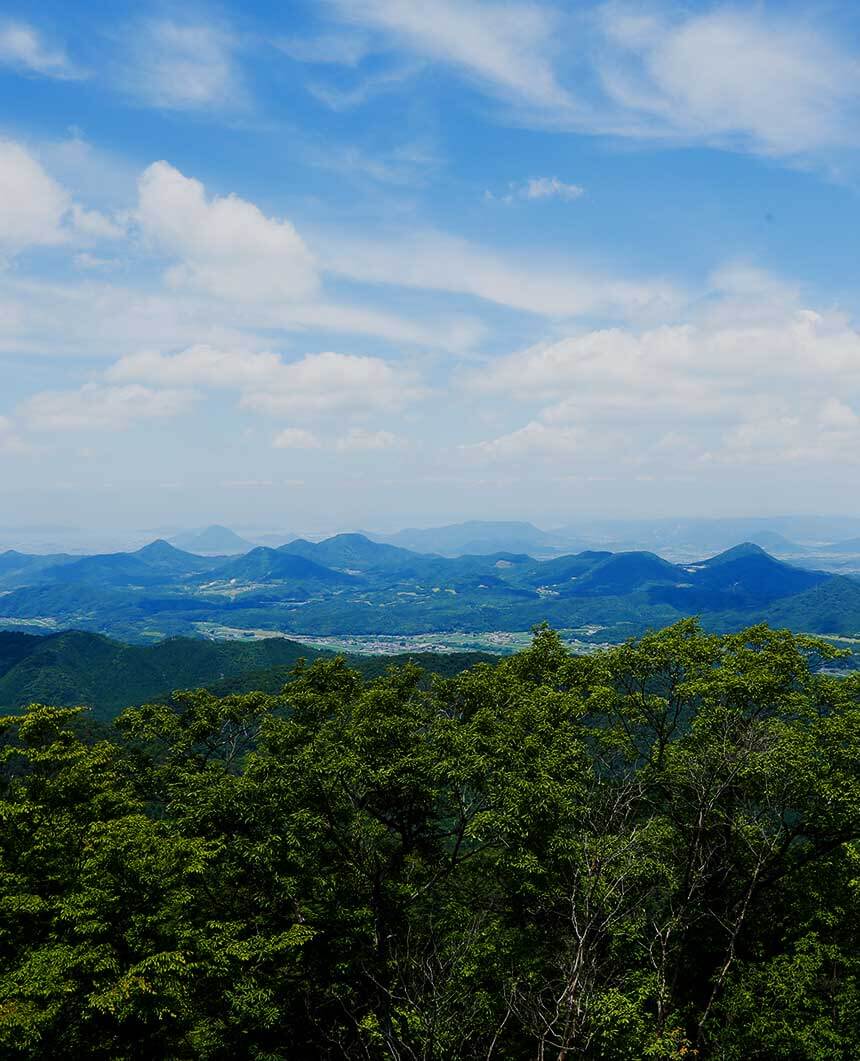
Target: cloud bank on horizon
column 391, row 261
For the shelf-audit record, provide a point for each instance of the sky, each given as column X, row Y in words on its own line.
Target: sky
column 378, row 263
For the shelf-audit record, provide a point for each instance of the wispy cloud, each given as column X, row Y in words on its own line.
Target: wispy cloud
column 437, row 261
column 750, row 79
column 181, row 66
column 507, row 47
column 22, row 47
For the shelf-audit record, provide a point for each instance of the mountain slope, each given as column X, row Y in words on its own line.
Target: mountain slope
column 832, row 607
column 276, row 565
column 163, row 557
column 475, row 537
column 354, row 552
column 212, row 541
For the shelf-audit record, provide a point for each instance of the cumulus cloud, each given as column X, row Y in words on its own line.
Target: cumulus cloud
column 96, row 407
column 23, row 48
column 36, row 210
column 181, row 66
column 223, row 246
column 331, row 383
column 32, row 203
column 316, row 384
column 741, row 377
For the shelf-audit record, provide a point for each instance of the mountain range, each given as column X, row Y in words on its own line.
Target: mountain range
column 351, row 585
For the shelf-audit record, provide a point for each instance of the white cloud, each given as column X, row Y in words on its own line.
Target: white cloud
column 95, row 225
column 431, row 260
column 22, row 47
column 32, row 204
column 744, row 378
column 317, row 384
column 504, row 46
column 95, row 407
column 361, row 439
column 335, row 383
column 803, row 435
column 36, row 210
column 181, row 66
column 224, row 246
column 538, row 188
column 535, row 439
column 740, row 77
column 199, row 366
column 296, row 438
column 551, row 188
column 748, row 78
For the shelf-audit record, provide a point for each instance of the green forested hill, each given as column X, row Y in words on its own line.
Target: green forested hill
column 75, row 667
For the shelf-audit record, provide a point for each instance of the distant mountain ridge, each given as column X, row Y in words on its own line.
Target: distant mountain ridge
column 212, row 541
column 349, row 584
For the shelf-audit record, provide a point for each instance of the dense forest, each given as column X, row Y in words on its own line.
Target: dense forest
column 649, row 852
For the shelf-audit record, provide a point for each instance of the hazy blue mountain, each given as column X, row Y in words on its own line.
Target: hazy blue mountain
column 775, row 542
column 711, row 535
column 476, row 537
column 22, row 568
column 349, row 584
column 212, row 541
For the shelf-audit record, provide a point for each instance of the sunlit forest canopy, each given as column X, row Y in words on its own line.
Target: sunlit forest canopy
column 651, row 851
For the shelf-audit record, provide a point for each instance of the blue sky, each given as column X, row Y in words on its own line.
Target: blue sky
column 383, row 262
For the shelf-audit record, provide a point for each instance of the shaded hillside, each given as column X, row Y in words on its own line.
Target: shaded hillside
column 833, row 607
column 742, row 577
column 354, row 552
column 75, row 667
column 262, row 564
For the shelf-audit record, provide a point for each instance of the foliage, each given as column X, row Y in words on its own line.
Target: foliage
column 75, row 668
column 649, row 852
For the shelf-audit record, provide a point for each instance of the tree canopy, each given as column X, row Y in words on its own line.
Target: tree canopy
column 651, row 851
